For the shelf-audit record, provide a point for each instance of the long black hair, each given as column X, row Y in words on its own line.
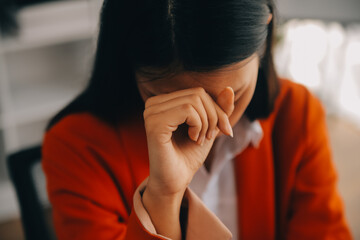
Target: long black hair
column 159, row 37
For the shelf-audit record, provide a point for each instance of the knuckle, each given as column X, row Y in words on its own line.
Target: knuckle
column 198, row 127
column 200, row 90
column 148, row 125
column 151, row 123
column 146, row 113
column 205, row 125
column 187, row 107
column 149, row 102
column 195, row 99
column 213, row 121
column 149, row 118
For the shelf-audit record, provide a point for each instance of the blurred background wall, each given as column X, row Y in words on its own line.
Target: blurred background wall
column 49, row 61
column 344, row 11
column 319, row 46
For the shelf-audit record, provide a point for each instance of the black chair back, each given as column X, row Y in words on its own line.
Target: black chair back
column 20, row 165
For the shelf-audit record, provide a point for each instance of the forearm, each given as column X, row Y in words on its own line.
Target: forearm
column 164, row 212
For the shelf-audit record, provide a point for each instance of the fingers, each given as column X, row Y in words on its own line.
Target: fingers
column 209, row 113
column 174, row 117
column 226, row 100
column 204, row 108
column 165, row 97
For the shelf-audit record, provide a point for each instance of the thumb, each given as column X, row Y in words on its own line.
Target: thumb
column 226, row 100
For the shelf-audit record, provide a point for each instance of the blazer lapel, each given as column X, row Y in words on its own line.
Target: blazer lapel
column 254, row 173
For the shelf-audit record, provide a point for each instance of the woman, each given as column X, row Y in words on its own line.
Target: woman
column 144, row 152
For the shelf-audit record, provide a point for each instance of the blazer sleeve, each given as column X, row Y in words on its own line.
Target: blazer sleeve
column 87, row 204
column 316, row 209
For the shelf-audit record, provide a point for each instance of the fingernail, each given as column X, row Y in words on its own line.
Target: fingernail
column 209, row 135
column 229, row 129
column 199, row 140
column 195, row 139
column 230, row 88
column 212, row 134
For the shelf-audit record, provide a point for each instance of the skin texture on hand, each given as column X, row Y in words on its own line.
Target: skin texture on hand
column 175, row 155
column 174, row 158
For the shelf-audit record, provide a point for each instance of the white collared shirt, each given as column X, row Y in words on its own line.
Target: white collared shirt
column 217, row 187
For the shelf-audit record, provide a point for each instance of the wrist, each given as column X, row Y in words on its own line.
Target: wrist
column 153, row 195
column 164, row 211
column 169, row 191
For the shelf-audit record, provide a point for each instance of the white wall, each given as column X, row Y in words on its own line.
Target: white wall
column 334, row 10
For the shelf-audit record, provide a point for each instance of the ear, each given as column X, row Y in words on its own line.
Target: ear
column 269, row 18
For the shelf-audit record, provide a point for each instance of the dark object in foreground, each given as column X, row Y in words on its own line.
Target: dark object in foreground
column 20, row 165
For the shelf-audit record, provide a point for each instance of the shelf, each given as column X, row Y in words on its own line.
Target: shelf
column 66, row 21
column 39, row 101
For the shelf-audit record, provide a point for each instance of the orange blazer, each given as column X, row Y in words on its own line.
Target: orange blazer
column 286, row 188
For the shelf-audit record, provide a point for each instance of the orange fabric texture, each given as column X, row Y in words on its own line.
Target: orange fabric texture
column 286, row 188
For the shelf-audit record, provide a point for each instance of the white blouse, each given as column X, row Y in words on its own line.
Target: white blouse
column 217, row 187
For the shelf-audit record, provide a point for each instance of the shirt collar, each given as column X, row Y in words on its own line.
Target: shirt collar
column 226, row 148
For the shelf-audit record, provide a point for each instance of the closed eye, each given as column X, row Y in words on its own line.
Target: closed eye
column 237, row 95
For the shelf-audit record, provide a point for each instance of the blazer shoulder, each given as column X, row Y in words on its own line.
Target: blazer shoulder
column 296, row 115
column 296, row 103
column 83, row 128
